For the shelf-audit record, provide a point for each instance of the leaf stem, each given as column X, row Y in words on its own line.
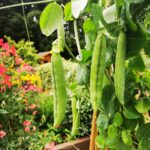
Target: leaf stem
column 77, row 39
column 71, row 54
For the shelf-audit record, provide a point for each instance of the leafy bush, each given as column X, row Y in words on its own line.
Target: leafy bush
column 26, row 50
column 19, row 86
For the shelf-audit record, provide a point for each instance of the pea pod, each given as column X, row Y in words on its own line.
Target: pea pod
column 96, row 81
column 120, row 67
column 60, row 94
column 97, row 71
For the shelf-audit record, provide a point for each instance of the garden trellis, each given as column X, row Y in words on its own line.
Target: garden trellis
column 23, row 4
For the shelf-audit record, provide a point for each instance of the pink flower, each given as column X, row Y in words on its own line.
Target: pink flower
column 34, row 112
column 26, row 123
column 27, row 67
column 24, row 68
column 32, row 106
column 50, row 146
column 18, row 60
column 6, row 47
column 27, row 129
column 2, row 134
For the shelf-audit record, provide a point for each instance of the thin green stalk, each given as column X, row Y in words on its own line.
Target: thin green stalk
column 25, row 21
column 77, row 39
column 26, row 4
column 68, row 49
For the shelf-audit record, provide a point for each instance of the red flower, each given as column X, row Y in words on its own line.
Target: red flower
column 7, row 81
column 2, row 134
column 13, row 50
column 27, row 129
column 26, row 123
column 2, row 69
column 1, row 42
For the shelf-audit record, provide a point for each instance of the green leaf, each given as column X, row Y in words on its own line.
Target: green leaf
column 108, row 104
column 2, row 111
column 135, row 1
column 100, row 140
column 83, row 75
column 118, row 120
column 136, row 63
column 122, row 146
column 143, row 135
column 146, row 79
column 110, row 14
column 86, row 56
column 78, row 6
column 112, row 142
column 136, row 41
column 126, row 137
column 68, row 12
column 90, row 33
column 102, row 122
column 119, row 2
column 97, row 14
column 51, row 18
column 147, row 20
column 112, row 131
column 143, row 105
column 89, row 26
column 130, row 124
column 131, row 113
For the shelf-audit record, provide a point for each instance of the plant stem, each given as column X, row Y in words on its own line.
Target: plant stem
column 93, row 131
column 25, row 21
column 77, row 38
column 68, row 49
column 25, row 4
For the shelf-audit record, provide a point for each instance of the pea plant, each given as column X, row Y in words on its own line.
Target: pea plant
column 113, row 65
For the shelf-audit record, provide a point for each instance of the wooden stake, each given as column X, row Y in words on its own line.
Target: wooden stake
column 93, row 132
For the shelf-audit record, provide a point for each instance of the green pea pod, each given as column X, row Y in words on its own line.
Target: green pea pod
column 60, row 93
column 76, row 117
column 97, row 71
column 120, row 67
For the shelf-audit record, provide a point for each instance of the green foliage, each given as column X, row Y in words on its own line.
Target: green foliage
column 126, row 137
column 51, row 18
column 118, row 120
column 143, row 135
column 46, row 104
column 26, row 50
